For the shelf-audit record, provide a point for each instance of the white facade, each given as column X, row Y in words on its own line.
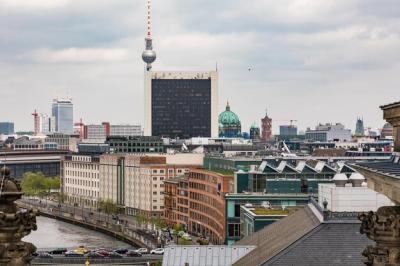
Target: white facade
column 351, row 199
column 150, row 75
column 81, row 180
column 125, row 130
column 109, row 177
column 329, row 132
column 47, row 124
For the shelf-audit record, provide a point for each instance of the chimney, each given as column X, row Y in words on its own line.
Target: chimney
column 340, row 180
column 357, row 179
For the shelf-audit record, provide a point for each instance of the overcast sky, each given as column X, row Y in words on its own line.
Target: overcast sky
column 310, row 60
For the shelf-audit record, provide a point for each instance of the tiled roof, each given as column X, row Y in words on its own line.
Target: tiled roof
column 276, row 237
column 204, row 255
column 328, row 244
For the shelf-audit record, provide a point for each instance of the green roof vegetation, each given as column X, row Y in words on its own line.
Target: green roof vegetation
column 264, row 211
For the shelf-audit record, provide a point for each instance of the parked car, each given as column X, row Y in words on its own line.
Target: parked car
column 94, row 255
column 142, row 250
column 103, row 252
column 121, row 250
column 133, row 253
column 35, row 254
column 157, row 251
column 82, row 250
column 73, row 253
column 115, row 255
column 44, row 255
column 58, row 251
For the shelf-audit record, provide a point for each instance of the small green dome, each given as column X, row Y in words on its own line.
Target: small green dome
column 228, row 117
column 254, row 125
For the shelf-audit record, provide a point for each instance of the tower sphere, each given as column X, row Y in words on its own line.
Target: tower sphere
column 149, row 56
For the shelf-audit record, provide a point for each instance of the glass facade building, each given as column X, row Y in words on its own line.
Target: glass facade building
column 6, row 128
column 62, row 110
column 181, row 108
column 181, row 104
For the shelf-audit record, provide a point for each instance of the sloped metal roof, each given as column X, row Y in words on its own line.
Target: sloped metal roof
column 204, row 255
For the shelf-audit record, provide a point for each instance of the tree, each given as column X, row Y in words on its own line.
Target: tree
column 109, row 207
column 158, row 222
column 36, row 184
column 141, row 219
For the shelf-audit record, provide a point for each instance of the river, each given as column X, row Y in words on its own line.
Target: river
column 52, row 233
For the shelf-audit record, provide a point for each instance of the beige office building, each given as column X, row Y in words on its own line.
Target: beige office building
column 81, row 179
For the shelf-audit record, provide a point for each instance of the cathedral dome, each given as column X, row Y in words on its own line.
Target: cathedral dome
column 228, row 117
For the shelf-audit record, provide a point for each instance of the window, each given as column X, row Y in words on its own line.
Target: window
column 154, row 192
column 233, row 230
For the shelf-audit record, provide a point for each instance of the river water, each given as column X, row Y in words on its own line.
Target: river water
column 52, row 233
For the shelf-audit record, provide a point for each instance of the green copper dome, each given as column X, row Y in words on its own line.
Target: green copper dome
column 228, row 117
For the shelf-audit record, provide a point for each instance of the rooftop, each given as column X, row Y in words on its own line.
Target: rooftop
column 204, row 255
column 265, row 211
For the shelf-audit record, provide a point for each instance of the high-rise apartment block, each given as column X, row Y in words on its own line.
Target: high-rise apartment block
column 62, row 110
column 181, row 104
column 7, row 128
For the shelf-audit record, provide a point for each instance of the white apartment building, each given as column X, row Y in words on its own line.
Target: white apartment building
column 81, row 179
column 135, row 181
column 101, row 132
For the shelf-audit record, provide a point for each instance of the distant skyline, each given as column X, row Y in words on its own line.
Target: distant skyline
column 306, row 60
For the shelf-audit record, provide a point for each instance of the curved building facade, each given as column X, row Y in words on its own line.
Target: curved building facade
column 196, row 201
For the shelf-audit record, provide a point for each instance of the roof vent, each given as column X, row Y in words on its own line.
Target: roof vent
column 340, row 180
column 357, row 179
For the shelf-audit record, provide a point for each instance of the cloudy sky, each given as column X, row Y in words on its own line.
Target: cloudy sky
column 311, row 60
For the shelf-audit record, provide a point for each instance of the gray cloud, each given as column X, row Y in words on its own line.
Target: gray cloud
column 314, row 61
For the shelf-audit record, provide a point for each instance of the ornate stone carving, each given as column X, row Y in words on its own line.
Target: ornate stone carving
column 384, row 228
column 15, row 223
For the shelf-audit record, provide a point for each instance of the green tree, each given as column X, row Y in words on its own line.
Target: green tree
column 158, row 222
column 109, row 207
column 36, row 184
column 141, row 219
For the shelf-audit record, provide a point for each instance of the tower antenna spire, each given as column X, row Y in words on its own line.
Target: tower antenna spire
column 148, row 55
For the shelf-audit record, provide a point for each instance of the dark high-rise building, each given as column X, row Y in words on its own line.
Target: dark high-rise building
column 181, row 104
column 7, row 128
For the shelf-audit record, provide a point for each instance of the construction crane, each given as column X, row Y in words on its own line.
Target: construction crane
column 36, row 123
column 81, row 126
column 288, row 120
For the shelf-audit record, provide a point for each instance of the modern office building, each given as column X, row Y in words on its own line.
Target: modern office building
column 6, row 128
column 64, row 142
column 135, row 144
column 196, row 201
column 44, row 161
column 81, row 179
column 288, row 130
column 101, row 132
column 43, row 123
column 360, row 131
column 181, row 104
column 329, row 132
column 62, row 110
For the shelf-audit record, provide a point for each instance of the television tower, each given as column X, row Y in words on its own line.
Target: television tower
column 148, row 55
